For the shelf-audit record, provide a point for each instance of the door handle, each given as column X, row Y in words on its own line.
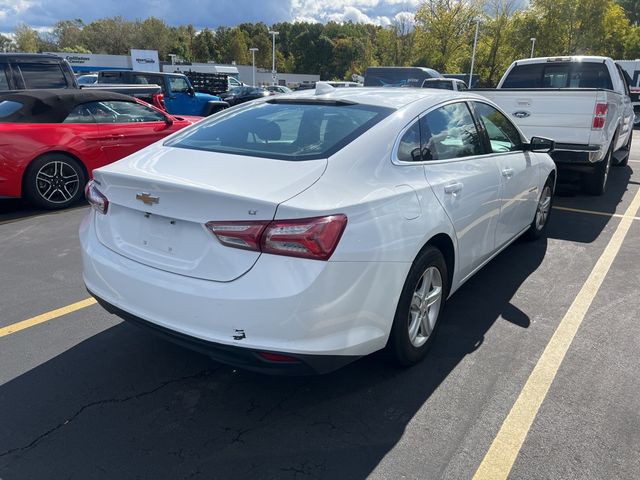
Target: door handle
column 453, row 188
column 507, row 172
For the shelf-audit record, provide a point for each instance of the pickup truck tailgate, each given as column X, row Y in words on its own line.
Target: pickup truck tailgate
column 565, row 116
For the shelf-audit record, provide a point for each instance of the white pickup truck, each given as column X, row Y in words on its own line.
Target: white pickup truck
column 580, row 102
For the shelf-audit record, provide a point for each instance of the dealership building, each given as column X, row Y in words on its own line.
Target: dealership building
column 147, row 60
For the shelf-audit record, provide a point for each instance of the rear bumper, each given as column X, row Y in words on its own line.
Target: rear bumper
column 302, row 308
column 577, row 157
column 245, row 358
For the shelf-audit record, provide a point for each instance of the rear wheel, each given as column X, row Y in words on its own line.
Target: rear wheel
column 421, row 302
column 595, row 182
column 54, row 181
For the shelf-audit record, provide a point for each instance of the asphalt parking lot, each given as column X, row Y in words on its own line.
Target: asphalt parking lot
column 84, row 395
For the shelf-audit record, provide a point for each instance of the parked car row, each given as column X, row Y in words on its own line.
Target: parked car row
column 386, row 197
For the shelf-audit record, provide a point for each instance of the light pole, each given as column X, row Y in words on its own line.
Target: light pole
column 273, row 65
column 473, row 55
column 533, row 45
column 253, row 51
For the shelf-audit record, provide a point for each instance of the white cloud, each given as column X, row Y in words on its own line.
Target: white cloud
column 379, row 12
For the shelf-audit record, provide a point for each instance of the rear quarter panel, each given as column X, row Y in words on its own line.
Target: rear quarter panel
column 391, row 209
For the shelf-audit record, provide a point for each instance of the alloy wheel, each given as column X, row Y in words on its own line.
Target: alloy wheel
column 57, row 182
column 425, row 306
column 544, row 206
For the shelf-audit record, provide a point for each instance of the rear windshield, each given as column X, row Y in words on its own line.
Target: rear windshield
column 300, row 130
column 439, row 84
column 559, row 75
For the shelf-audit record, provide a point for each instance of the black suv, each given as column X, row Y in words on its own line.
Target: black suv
column 20, row 71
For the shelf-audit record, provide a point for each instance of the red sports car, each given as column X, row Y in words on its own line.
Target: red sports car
column 51, row 140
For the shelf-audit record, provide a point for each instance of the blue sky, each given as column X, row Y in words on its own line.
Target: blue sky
column 41, row 14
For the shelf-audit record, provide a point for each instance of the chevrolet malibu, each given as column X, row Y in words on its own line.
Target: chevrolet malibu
column 297, row 233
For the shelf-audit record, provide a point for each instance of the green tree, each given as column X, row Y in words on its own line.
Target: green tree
column 68, row 34
column 152, row 34
column 494, row 52
column 26, row 38
column 443, row 30
column 238, row 48
column 114, row 36
column 204, row 46
column 632, row 9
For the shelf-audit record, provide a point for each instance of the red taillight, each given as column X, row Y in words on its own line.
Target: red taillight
column 309, row 238
column 245, row 235
column 158, row 100
column 96, row 199
column 600, row 115
column 314, row 238
column 278, row 357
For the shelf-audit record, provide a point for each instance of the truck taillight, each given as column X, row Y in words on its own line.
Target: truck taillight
column 314, row 238
column 96, row 199
column 600, row 115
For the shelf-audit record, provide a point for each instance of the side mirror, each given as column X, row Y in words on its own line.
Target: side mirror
column 540, row 144
column 191, row 91
column 168, row 120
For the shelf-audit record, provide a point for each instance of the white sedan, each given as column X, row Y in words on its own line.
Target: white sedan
column 297, row 233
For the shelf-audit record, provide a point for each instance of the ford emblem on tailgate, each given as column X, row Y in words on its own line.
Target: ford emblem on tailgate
column 147, row 198
column 521, row 114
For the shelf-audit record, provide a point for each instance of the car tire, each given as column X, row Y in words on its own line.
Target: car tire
column 421, row 302
column 627, row 149
column 54, row 181
column 543, row 211
column 595, row 182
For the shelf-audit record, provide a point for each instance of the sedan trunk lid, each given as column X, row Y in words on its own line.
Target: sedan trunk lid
column 161, row 198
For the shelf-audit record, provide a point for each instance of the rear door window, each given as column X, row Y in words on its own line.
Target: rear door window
column 449, row 132
column 42, row 75
column 283, row 130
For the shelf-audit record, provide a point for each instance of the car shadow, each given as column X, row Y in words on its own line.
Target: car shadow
column 13, row 209
column 584, row 227
column 125, row 404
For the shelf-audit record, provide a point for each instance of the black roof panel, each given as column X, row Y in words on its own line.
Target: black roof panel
column 53, row 106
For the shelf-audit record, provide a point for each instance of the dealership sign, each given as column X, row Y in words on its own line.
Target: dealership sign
column 92, row 61
column 146, row 60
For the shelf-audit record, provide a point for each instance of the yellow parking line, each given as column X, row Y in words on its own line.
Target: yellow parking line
column 594, row 212
column 45, row 317
column 502, row 453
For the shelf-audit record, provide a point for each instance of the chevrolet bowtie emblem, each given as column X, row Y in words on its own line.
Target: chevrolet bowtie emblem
column 147, row 198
